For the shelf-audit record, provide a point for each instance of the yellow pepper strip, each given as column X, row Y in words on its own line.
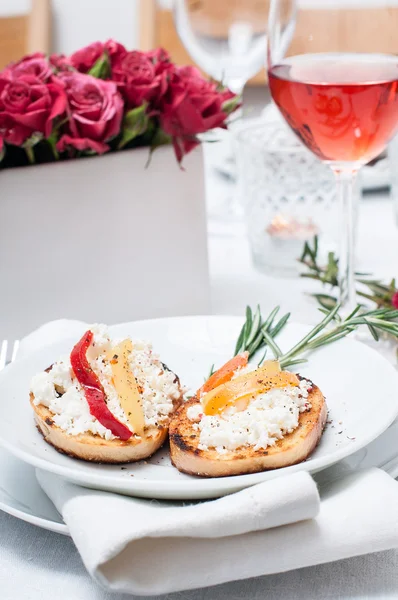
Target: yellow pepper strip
column 126, row 385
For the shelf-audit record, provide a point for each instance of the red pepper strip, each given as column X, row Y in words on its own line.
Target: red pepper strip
column 93, row 391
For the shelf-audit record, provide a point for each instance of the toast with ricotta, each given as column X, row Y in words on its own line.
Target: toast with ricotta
column 268, row 428
column 109, row 401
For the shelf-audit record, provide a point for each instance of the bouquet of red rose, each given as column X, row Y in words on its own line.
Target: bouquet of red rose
column 104, row 98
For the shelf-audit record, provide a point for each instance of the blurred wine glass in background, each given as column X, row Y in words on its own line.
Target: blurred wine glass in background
column 225, row 38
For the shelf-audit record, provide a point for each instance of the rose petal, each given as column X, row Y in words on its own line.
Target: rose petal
column 81, row 144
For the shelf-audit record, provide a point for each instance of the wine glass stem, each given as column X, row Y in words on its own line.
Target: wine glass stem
column 235, row 84
column 345, row 179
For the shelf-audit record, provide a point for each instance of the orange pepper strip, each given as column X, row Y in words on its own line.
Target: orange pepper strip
column 228, row 394
column 224, row 374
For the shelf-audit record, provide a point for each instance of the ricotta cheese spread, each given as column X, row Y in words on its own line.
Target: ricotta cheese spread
column 62, row 394
column 267, row 418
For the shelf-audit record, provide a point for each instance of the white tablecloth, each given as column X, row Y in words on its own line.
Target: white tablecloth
column 39, row 565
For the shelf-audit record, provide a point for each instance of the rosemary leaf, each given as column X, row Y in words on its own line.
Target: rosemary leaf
column 270, row 319
column 317, row 329
column 284, row 363
column 280, row 325
column 262, row 359
column 272, row 344
column 373, row 331
column 256, row 325
column 325, row 301
column 239, row 343
column 353, row 313
column 249, row 320
column 256, row 344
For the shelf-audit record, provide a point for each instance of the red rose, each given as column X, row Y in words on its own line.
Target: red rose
column 394, row 300
column 160, row 60
column 28, row 106
column 192, row 105
column 36, row 65
column 83, row 60
column 136, row 77
column 95, row 111
column 60, row 62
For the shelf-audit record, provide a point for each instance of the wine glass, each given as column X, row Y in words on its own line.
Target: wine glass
column 339, row 96
column 225, row 38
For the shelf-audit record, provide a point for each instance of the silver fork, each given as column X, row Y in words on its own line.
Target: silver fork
column 8, row 352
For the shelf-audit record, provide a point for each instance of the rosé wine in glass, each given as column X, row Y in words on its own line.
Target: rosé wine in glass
column 339, row 99
column 344, row 107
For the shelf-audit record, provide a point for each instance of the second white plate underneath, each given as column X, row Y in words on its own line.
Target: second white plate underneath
column 359, row 385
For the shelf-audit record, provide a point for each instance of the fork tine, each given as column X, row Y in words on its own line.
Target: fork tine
column 15, row 350
column 3, row 354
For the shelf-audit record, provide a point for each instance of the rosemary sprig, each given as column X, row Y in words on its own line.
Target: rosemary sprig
column 378, row 320
column 382, row 294
column 330, row 329
column 257, row 333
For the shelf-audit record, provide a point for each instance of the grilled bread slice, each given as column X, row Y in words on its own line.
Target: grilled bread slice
column 293, row 448
column 95, row 448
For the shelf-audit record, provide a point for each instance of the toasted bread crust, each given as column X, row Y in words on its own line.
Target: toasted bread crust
column 295, row 447
column 94, row 448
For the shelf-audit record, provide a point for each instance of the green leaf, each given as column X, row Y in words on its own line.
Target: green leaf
column 305, row 252
column 239, row 343
column 332, row 270
column 373, row 331
column 290, row 363
column 135, row 123
column 353, row 313
column 255, row 327
column 272, row 344
column 101, row 69
column 316, row 239
column 262, row 359
column 52, row 141
column 270, row 319
column 325, row 301
column 256, row 344
column 376, row 286
column 248, row 326
column 229, row 106
column 280, row 325
column 160, row 138
column 34, row 139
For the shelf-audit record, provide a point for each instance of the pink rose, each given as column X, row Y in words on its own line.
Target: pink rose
column 83, row 60
column 136, row 77
column 95, row 111
column 28, row 106
column 35, row 65
column 192, row 105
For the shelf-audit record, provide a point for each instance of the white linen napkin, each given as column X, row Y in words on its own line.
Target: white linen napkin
column 148, row 547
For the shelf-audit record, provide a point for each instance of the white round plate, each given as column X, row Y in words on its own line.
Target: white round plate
column 22, row 497
column 360, row 386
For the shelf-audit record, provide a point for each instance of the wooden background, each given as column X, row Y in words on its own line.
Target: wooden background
column 25, row 34
column 318, row 30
